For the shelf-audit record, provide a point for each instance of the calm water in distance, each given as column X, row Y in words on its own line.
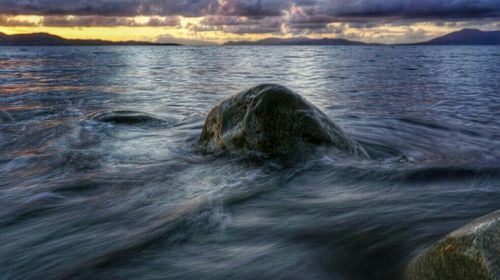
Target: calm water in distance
column 83, row 199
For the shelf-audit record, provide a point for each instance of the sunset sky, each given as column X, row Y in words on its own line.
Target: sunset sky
column 217, row 21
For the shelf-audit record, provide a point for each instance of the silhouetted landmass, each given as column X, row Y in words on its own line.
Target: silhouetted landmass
column 45, row 39
column 467, row 37
column 295, row 41
column 462, row 37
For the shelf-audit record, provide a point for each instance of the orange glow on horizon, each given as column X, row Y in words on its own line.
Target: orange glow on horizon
column 383, row 33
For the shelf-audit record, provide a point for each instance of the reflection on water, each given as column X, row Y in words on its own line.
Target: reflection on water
column 99, row 177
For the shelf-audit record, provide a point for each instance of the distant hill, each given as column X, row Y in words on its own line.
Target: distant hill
column 467, row 37
column 294, row 42
column 45, row 39
column 462, row 37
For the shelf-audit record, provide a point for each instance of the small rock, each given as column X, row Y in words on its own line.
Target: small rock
column 124, row 117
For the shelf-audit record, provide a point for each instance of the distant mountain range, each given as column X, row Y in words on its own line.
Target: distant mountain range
column 295, row 42
column 45, row 39
column 462, row 37
column 467, row 37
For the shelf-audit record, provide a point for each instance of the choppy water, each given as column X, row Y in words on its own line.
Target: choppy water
column 88, row 199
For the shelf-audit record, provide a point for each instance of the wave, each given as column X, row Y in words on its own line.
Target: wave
column 177, row 217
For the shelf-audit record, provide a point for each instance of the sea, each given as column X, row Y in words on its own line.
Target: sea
column 86, row 197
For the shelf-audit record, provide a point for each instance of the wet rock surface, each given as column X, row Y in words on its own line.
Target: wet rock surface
column 275, row 121
column 471, row 252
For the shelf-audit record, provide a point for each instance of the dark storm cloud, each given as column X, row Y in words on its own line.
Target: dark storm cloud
column 239, row 25
column 102, row 21
column 257, row 8
column 313, row 16
column 237, row 20
column 254, row 8
column 109, row 7
column 258, row 15
column 411, row 9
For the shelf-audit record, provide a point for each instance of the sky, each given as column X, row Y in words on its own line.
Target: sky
column 218, row 21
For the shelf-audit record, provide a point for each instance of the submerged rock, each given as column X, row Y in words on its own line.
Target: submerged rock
column 125, row 117
column 5, row 117
column 273, row 120
column 471, row 252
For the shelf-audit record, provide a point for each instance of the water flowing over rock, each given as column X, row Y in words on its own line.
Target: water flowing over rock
column 5, row 117
column 275, row 121
column 471, row 252
column 125, row 117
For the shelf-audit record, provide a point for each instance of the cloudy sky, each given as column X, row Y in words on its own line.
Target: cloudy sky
column 217, row 21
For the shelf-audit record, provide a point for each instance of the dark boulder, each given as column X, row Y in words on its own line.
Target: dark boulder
column 471, row 252
column 275, row 121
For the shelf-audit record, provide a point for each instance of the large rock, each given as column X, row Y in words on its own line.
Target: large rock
column 471, row 252
column 275, row 121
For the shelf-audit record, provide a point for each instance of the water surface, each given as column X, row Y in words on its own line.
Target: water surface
column 84, row 197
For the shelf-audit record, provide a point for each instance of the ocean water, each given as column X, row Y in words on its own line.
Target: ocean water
column 88, row 198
